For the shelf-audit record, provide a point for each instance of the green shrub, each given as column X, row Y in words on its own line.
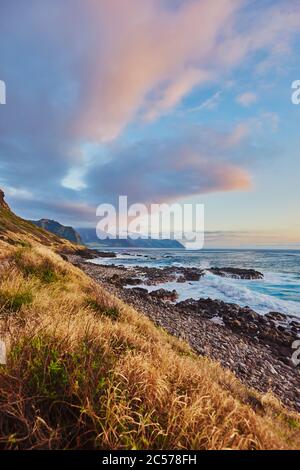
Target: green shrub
column 111, row 312
column 14, row 301
column 45, row 271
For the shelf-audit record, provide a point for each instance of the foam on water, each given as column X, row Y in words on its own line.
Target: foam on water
column 230, row 290
column 279, row 290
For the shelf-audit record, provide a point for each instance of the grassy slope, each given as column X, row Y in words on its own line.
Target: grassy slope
column 86, row 371
column 15, row 230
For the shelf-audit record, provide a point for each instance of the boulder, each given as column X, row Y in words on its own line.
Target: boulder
column 237, row 273
column 164, row 295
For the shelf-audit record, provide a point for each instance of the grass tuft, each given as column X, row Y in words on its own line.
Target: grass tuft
column 44, row 268
column 112, row 312
column 14, row 301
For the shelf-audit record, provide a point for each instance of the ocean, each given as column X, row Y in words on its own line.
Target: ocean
column 279, row 291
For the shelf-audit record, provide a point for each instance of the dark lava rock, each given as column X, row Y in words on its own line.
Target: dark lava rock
column 132, row 281
column 247, row 323
column 170, row 274
column 85, row 253
column 237, row 273
column 164, row 295
column 276, row 316
column 139, row 290
column 106, row 254
column 120, row 280
column 193, row 275
column 189, row 274
column 158, row 275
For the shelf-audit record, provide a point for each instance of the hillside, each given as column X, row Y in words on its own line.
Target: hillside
column 17, row 231
column 86, row 371
column 68, row 233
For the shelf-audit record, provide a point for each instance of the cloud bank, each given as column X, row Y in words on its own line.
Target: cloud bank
column 79, row 73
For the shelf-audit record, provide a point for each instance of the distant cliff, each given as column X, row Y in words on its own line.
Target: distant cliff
column 88, row 235
column 60, row 230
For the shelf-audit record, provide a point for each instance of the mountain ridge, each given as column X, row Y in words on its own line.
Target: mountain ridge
column 89, row 236
column 62, row 231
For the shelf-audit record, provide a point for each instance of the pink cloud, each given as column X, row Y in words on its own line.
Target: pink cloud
column 143, row 56
column 239, row 133
column 155, row 51
column 189, row 164
column 247, row 98
column 176, row 91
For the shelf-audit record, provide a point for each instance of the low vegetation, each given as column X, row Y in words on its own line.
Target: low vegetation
column 19, row 232
column 86, row 371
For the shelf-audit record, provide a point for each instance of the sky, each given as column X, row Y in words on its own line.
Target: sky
column 184, row 101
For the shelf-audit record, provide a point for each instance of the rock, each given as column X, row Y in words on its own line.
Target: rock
column 237, row 273
column 257, row 328
column 217, row 321
column 249, row 314
column 286, row 360
column 140, row 291
column 272, row 370
column 235, row 324
column 164, row 295
column 106, row 254
column 193, row 275
column 276, row 316
column 86, row 253
column 123, row 281
column 158, row 275
column 132, row 281
column 2, row 201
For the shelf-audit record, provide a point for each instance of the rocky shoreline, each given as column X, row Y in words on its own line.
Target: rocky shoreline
column 258, row 349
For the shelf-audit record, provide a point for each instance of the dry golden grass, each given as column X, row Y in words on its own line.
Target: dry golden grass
column 86, row 371
column 19, row 232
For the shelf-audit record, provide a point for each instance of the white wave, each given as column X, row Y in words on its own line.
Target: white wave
column 231, row 291
column 278, row 291
column 205, row 264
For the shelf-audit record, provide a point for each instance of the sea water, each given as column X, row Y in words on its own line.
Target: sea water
column 279, row 291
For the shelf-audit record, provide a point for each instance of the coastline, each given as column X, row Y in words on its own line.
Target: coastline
column 258, row 349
